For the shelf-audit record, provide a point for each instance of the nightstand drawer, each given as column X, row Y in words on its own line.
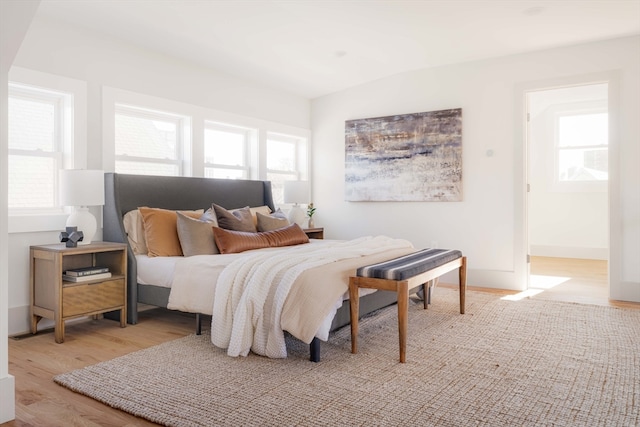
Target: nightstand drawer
column 87, row 298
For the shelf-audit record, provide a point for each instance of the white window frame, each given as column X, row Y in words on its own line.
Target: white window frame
column 61, row 104
column 249, row 149
column 111, row 97
column 300, row 169
column 196, row 119
column 149, row 114
column 575, row 186
column 301, row 150
column 73, row 153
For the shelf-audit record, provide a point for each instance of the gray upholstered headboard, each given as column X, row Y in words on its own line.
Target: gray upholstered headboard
column 127, row 192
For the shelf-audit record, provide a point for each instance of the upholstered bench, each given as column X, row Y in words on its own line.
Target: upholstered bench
column 403, row 275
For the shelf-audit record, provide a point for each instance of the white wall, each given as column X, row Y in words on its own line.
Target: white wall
column 80, row 54
column 486, row 225
column 15, row 18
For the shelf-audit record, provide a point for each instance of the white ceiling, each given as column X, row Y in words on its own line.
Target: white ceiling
column 315, row 47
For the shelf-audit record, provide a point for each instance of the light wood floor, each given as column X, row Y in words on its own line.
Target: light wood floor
column 35, row 360
column 572, row 280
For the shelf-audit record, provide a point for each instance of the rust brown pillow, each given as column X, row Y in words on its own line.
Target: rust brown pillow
column 231, row 242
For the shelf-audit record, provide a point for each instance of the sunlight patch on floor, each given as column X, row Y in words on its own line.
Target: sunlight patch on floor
column 537, row 285
column 546, row 282
column 522, row 295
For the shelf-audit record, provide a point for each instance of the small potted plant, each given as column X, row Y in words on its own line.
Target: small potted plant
column 310, row 211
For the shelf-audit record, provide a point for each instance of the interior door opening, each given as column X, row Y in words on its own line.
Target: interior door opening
column 567, row 200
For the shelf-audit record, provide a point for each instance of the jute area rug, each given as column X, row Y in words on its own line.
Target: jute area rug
column 504, row 363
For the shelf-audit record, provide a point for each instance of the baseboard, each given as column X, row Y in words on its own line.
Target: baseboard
column 570, row 252
column 19, row 321
column 8, row 401
column 493, row 279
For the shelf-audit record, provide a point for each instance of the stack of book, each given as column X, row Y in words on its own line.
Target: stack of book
column 85, row 274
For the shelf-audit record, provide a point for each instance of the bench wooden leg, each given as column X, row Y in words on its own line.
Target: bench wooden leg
column 425, row 294
column 462, row 277
column 426, row 280
column 354, row 306
column 403, row 317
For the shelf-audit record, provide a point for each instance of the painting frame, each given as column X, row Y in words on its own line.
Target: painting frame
column 406, row 157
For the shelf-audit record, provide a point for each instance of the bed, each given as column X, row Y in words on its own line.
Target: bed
column 124, row 193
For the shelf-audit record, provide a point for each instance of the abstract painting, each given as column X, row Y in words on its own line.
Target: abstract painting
column 408, row 157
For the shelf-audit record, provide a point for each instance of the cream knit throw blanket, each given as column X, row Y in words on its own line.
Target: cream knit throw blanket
column 252, row 290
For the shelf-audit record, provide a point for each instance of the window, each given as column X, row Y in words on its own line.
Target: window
column 582, row 147
column 144, row 134
column 286, row 158
column 227, row 151
column 39, row 132
column 148, row 142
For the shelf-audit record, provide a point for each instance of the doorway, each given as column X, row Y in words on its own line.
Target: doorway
column 567, row 192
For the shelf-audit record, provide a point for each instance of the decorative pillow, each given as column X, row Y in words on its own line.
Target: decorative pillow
column 196, row 236
column 271, row 222
column 161, row 231
column 238, row 220
column 209, row 216
column 264, row 210
column 230, row 242
column 134, row 227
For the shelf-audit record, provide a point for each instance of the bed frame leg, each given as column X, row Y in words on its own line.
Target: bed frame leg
column 198, row 324
column 314, row 350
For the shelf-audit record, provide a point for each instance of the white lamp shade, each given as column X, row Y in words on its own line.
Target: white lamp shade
column 81, row 187
column 296, row 191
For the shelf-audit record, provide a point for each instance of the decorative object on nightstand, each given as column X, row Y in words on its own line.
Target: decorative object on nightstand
column 296, row 192
column 74, row 282
column 82, row 188
column 71, row 237
column 310, row 211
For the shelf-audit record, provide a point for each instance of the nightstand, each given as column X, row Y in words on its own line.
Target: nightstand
column 315, row 233
column 52, row 297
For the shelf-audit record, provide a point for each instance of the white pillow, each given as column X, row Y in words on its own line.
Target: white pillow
column 134, row 227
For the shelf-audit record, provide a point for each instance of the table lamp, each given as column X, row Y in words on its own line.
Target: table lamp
column 296, row 192
column 82, row 188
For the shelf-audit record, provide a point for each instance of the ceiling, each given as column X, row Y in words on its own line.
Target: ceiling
column 316, row 47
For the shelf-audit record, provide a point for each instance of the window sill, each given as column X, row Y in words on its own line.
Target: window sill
column 33, row 223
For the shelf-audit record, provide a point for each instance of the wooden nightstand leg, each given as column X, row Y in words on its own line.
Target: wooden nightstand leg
column 59, row 330
column 123, row 317
column 354, row 305
column 34, row 323
column 403, row 317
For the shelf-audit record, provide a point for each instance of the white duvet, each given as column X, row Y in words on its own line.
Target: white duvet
column 250, row 291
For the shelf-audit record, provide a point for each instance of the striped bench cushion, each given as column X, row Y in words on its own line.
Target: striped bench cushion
column 408, row 266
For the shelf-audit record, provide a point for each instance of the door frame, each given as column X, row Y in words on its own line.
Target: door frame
column 521, row 175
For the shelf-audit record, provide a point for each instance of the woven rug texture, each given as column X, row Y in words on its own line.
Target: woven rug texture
column 503, row 363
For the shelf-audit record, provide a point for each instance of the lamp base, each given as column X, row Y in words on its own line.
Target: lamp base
column 297, row 215
column 85, row 222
